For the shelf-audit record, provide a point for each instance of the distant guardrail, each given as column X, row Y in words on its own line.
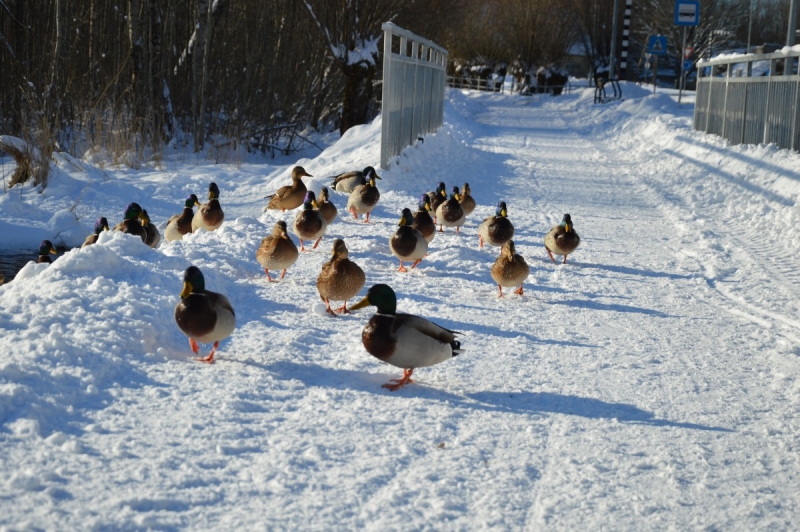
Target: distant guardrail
column 750, row 99
column 496, row 85
column 414, row 72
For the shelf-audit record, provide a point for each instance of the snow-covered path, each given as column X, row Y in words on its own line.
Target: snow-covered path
column 651, row 383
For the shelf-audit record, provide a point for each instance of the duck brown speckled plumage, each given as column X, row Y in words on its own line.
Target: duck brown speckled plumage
column 510, row 269
column 466, row 200
column 277, row 251
column 290, row 196
column 326, row 206
column 340, row 278
column 363, row 199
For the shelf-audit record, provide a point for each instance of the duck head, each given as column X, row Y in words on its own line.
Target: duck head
column 381, row 296
column 323, row 195
column 441, row 189
column 133, row 211
column 454, row 194
column 566, row 223
column 424, row 203
column 298, row 173
column 145, row 217
column 213, row 191
column 47, row 248
column 280, row 231
column 339, row 250
column 310, row 201
column 100, row 225
column 406, row 218
column 501, row 209
column 191, row 201
column 465, row 190
column 509, row 250
column 370, row 172
column 193, row 281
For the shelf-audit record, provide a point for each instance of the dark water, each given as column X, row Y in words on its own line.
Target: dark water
column 12, row 260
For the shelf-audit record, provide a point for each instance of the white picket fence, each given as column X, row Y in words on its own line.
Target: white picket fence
column 414, row 71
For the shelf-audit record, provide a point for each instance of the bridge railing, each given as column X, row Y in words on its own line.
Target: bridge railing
column 414, row 72
column 750, row 99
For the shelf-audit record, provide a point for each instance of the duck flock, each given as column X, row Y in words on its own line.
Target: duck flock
column 402, row 340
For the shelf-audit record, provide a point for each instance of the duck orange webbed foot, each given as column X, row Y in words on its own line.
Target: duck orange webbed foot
column 210, row 358
column 399, row 383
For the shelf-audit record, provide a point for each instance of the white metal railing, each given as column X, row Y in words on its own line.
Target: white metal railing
column 750, row 99
column 413, row 89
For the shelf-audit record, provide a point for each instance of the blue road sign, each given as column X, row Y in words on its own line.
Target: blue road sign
column 657, row 45
column 687, row 12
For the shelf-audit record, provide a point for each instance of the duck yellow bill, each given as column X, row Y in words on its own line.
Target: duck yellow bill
column 187, row 289
column 566, row 228
column 361, row 304
column 53, row 251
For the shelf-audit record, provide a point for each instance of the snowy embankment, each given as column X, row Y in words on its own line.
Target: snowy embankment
column 651, row 383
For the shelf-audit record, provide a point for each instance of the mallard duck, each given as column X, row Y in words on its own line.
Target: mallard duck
column 209, row 216
column 466, row 200
column 340, row 278
column 45, row 250
column 290, row 196
column 326, row 207
column 204, row 316
column 100, row 225
column 562, row 239
column 408, row 244
column 348, row 181
column 153, row 236
column 437, row 197
column 403, row 340
column 496, row 230
column 363, row 199
column 449, row 213
column 309, row 224
column 422, row 219
column 181, row 224
column 277, row 251
column 510, row 269
column 131, row 225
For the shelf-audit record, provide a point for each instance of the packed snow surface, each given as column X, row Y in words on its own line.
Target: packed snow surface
column 651, row 383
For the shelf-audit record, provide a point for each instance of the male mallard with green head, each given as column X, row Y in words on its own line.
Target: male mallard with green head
column 510, row 269
column 309, row 224
column 131, row 224
column 46, row 249
column 340, row 278
column 408, row 244
column 496, row 230
column 326, row 206
column 290, row 196
column 449, row 213
column 277, row 251
column 348, row 181
column 403, row 340
column 363, row 199
column 562, row 239
column 100, row 225
column 204, row 316
column 181, row 224
column 466, row 200
column 153, row 236
column 422, row 219
column 209, row 216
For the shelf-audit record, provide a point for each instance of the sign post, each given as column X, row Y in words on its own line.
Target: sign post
column 687, row 13
column 656, row 45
